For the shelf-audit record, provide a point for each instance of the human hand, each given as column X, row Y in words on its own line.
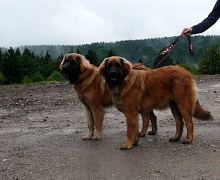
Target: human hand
column 186, row 31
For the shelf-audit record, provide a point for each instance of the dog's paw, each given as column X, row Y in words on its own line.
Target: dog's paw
column 136, row 142
column 142, row 134
column 125, row 147
column 96, row 138
column 174, row 139
column 187, row 141
column 151, row 133
column 88, row 137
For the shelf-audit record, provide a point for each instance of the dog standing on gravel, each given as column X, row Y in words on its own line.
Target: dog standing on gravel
column 136, row 91
column 94, row 95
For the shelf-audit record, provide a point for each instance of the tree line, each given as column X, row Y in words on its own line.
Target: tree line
column 26, row 65
column 134, row 50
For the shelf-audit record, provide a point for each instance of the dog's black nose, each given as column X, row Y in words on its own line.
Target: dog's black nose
column 113, row 75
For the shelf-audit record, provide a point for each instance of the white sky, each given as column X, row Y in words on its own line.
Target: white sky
column 74, row 22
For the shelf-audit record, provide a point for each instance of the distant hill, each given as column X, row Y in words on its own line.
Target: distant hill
column 134, row 50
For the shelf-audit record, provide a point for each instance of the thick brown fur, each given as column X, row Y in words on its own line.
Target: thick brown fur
column 143, row 91
column 93, row 93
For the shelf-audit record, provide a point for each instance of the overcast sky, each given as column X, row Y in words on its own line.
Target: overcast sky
column 74, row 22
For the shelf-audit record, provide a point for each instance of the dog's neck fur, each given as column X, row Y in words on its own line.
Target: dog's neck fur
column 125, row 86
column 87, row 74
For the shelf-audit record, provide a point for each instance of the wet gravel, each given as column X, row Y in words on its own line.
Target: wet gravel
column 41, row 126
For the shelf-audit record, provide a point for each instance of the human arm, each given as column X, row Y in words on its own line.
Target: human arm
column 206, row 23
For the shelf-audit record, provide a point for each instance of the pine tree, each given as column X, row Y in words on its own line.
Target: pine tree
column 92, row 57
column 78, row 51
column 28, row 63
column 1, row 58
column 110, row 53
column 140, row 61
column 11, row 67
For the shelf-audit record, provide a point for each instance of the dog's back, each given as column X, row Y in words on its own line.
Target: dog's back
column 169, row 83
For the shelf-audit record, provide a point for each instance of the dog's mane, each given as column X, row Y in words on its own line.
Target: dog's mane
column 130, row 79
column 88, row 72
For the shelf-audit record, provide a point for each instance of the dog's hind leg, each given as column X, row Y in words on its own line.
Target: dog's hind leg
column 187, row 109
column 145, row 119
column 137, row 135
column 189, row 126
column 179, row 121
column 145, row 124
column 153, row 120
column 90, row 123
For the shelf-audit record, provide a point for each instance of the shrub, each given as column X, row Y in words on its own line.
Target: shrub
column 211, row 60
column 2, row 78
column 192, row 69
column 26, row 80
column 50, row 78
column 37, row 77
column 56, row 76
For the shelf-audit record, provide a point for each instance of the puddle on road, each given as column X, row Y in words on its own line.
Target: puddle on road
column 13, row 130
column 70, row 130
column 4, row 112
column 210, row 88
column 215, row 86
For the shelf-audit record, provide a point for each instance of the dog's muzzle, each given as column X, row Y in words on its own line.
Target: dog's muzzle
column 65, row 70
column 113, row 76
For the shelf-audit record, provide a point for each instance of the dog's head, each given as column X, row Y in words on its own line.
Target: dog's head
column 115, row 69
column 73, row 65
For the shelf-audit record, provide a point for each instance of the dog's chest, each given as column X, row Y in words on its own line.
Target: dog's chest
column 84, row 100
column 119, row 103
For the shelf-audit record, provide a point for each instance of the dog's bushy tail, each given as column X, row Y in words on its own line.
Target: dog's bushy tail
column 201, row 113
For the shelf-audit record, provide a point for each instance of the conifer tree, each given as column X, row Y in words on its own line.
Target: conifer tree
column 92, row 57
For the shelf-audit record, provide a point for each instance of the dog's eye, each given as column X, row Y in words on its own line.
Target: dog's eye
column 72, row 62
column 110, row 65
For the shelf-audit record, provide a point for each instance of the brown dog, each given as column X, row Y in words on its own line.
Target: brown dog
column 142, row 91
column 93, row 93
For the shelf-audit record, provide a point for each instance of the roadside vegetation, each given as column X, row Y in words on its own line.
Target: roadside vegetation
column 28, row 67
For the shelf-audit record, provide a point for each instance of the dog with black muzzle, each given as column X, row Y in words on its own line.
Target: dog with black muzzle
column 141, row 91
column 94, row 95
column 114, row 76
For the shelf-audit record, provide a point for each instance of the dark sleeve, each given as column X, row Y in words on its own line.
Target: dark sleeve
column 209, row 21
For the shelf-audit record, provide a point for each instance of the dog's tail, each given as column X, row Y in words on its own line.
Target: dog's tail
column 202, row 113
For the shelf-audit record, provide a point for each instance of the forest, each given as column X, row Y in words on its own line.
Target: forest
column 29, row 64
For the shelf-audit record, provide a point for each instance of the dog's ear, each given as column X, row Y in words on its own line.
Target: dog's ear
column 126, row 67
column 82, row 62
column 102, row 66
column 62, row 62
column 65, row 57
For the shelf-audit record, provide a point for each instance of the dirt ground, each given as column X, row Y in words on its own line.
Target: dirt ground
column 41, row 127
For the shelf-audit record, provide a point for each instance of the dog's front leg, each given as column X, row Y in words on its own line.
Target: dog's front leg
column 132, row 126
column 98, row 114
column 90, row 122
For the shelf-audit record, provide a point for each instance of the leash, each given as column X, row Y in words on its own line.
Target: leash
column 169, row 49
